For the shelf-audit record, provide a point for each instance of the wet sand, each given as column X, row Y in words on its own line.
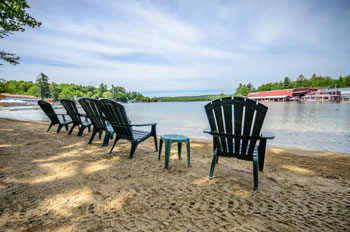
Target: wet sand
column 57, row 182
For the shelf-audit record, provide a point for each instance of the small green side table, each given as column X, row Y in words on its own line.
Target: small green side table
column 169, row 139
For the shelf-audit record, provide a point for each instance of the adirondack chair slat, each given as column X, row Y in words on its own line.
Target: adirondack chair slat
column 248, row 119
column 227, row 105
column 236, row 133
column 261, row 111
column 238, row 114
column 115, row 113
column 212, row 123
column 217, row 104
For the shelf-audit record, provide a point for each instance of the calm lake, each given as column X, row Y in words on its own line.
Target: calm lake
column 317, row 125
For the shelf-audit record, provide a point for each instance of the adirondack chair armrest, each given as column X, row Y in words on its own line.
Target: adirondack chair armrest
column 147, row 124
column 207, row 130
column 267, row 135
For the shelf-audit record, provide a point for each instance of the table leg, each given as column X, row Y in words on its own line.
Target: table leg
column 179, row 145
column 188, row 153
column 167, row 153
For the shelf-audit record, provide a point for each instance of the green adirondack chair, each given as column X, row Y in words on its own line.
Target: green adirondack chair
column 116, row 115
column 74, row 114
column 236, row 133
column 98, row 120
column 53, row 116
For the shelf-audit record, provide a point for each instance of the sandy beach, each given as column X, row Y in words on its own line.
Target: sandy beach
column 57, row 182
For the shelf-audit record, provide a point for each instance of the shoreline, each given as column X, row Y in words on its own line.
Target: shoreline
column 59, row 182
column 304, row 151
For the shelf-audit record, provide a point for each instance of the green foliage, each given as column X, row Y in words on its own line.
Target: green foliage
column 122, row 97
column 107, row 95
column 43, row 84
column 9, row 58
column 13, row 17
column 243, row 90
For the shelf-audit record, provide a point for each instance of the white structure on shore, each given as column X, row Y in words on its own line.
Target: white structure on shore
column 7, row 99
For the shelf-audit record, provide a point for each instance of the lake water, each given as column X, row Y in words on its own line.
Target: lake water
column 317, row 125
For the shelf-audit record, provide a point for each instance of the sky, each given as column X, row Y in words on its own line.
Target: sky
column 184, row 47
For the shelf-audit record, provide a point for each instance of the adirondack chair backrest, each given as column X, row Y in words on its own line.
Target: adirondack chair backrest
column 48, row 110
column 116, row 116
column 72, row 110
column 94, row 112
column 238, row 122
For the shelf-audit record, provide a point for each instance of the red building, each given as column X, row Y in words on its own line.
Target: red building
column 281, row 95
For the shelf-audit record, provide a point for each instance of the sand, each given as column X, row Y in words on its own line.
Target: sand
column 57, row 182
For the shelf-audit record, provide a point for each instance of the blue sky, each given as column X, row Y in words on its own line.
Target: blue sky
column 181, row 47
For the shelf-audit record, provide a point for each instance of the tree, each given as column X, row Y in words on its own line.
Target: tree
column 300, row 80
column 13, row 17
column 122, row 97
column 3, row 88
column 102, row 88
column 107, row 95
column 243, row 91
column 54, row 91
column 43, row 84
column 286, row 82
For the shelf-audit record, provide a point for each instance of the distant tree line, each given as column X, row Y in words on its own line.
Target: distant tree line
column 191, row 98
column 42, row 88
column 313, row 82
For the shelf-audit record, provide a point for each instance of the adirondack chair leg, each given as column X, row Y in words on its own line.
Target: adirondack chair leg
column 160, row 148
column 94, row 132
column 99, row 134
column 89, row 128
column 71, row 129
column 212, row 165
column 81, row 130
column 106, row 139
column 217, row 159
column 154, row 133
column 66, row 126
column 51, row 124
column 133, row 149
column 261, row 153
column 115, row 142
column 59, row 128
column 179, row 145
column 255, row 171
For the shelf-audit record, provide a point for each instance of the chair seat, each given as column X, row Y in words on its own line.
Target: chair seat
column 138, row 135
column 66, row 122
column 86, row 123
column 239, row 156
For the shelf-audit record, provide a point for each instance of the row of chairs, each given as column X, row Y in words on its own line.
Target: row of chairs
column 235, row 124
column 106, row 116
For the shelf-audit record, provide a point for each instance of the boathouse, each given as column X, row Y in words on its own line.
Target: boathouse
column 281, row 95
column 323, row 94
